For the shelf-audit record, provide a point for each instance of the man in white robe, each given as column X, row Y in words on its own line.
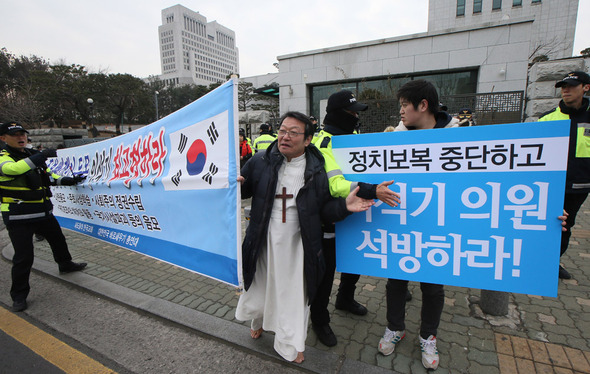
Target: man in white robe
column 282, row 258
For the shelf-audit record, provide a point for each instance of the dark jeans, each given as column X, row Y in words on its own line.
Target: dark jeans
column 433, row 299
column 319, row 306
column 21, row 236
column 571, row 204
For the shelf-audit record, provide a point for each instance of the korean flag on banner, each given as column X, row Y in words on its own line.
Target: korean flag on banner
column 199, row 156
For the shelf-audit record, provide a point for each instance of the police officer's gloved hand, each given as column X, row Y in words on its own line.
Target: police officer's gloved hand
column 66, row 181
column 49, row 153
column 78, row 178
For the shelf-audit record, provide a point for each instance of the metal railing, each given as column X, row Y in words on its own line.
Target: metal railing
column 488, row 109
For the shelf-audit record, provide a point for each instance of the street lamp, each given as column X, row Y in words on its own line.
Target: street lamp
column 156, row 93
column 93, row 130
column 90, row 107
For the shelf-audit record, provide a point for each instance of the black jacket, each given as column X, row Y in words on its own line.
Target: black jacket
column 24, row 185
column 314, row 205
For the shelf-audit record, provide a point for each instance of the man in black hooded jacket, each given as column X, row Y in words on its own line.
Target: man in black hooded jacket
column 341, row 119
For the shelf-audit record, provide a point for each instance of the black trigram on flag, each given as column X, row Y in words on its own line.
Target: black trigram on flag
column 212, row 171
column 182, row 143
column 176, row 178
column 212, row 132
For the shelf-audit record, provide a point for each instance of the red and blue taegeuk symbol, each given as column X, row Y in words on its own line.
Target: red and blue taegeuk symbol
column 196, row 157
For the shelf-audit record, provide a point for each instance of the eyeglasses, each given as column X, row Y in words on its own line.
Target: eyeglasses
column 292, row 134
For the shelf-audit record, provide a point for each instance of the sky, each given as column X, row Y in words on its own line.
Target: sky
column 121, row 36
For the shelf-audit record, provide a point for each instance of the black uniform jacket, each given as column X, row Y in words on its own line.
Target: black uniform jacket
column 314, row 205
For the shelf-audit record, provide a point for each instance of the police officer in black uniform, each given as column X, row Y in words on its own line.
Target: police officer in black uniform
column 574, row 106
column 26, row 208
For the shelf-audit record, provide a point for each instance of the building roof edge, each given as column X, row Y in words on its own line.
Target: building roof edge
column 395, row 39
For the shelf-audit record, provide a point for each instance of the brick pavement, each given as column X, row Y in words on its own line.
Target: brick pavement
column 540, row 334
column 520, row 355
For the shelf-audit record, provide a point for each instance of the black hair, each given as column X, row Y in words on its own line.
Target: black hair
column 417, row 90
column 309, row 128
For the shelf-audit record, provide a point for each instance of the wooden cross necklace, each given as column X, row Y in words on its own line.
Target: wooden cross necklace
column 284, row 196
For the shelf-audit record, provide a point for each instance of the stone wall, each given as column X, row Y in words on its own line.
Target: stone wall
column 541, row 94
column 55, row 137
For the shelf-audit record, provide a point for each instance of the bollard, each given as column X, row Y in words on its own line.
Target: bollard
column 494, row 302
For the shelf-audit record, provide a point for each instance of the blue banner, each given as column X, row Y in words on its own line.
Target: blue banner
column 479, row 206
column 167, row 190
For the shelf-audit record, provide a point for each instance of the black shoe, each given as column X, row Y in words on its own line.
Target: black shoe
column 71, row 266
column 408, row 295
column 19, row 306
column 351, row 306
column 325, row 334
column 563, row 274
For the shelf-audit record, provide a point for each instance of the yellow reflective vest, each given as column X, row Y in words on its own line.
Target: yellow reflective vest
column 24, row 185
column 262, row 142
column 578, row 167
column 340, row 186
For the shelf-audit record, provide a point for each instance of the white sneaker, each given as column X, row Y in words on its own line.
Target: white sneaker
column 389, row 340
column 429, row 352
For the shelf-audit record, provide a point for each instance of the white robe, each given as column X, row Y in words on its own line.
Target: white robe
column 277, row 298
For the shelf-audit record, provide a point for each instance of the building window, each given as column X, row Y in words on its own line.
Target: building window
column 460, row 8
column 516, row 3
column 477, row 6
column 535, row 1
column 497, row 4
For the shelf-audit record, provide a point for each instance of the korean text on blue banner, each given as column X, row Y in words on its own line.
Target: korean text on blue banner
column 167, row 190
column 479, row 206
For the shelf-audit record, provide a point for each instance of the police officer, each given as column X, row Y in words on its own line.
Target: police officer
column 27, row 209
column 575, row 107
column 341, row 118
column 465, row 117
column 316, row 132
column 266, row 137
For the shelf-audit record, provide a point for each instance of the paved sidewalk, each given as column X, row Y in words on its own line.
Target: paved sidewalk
column 540, row 334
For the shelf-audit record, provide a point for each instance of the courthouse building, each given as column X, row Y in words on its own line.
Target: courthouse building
column 476, row 52
column 194, row 51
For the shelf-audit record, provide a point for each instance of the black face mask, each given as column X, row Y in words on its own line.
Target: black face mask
column 342, row 120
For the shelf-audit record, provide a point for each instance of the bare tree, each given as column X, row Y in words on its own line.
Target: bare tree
column 245, row 95
column 549, row 48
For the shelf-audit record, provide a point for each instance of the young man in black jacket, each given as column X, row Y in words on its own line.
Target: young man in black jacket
column 418, row 101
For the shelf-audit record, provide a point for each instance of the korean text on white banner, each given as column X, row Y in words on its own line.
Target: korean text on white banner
column 479, row 206
column 167, row 190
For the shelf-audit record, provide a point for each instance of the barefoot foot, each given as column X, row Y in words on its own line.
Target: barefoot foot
column 255, row 334
column 299, row 359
